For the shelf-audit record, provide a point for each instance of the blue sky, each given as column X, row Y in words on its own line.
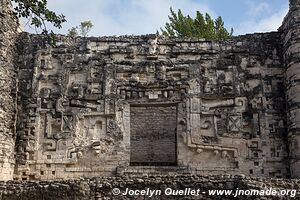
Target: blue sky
column 121, row 17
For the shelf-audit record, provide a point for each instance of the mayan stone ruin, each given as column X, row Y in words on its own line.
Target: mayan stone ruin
column 128, row 105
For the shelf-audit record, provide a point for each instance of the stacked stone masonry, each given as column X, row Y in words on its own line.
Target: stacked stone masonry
column 99, row 104
column 8, row 86
column 101, row 188
column 148, row 104
column 290, row 46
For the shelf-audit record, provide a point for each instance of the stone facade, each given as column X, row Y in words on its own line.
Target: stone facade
column 8, row 34
column 101, row 188
column 124, row 104
column 290, row 30
column 151, row 105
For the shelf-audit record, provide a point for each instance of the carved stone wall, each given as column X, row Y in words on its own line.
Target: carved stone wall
column 149, row 105
column 101, row 188
column 8, row 33
column 89, row 108
column 290, row 38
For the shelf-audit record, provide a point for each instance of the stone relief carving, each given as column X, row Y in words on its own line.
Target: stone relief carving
column 82, row 106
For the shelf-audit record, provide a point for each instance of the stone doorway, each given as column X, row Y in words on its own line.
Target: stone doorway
column 153, row 137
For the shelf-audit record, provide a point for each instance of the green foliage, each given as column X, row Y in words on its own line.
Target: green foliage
column 84, row 28
column 72, row 32
column 38, row 14
column 37, row 11
column 202, row 26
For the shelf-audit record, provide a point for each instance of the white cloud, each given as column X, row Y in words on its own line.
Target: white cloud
column 256, row 10
column 120, row 17
column 266, row 24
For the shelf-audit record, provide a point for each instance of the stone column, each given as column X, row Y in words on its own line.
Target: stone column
column 294, row 3
column 291, row 53
column 8, row 33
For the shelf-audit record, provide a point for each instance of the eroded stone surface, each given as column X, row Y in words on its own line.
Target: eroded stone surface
column 224, row 103
column 8, row 27
column 290, row 30
column 85, row 107
column 101, row 188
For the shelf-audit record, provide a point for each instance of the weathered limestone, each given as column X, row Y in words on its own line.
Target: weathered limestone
column 294, row 3
column 130, row 105
column 101, row 188
column 291, row 45
column 8, row 33
column 149, row 105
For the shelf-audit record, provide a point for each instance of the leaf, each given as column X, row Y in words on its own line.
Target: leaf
column 38, row 14
column 202, row 26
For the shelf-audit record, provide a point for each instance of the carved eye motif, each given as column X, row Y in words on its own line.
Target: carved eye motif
column 45, row 92
column 239, row 102
column 206, row 125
